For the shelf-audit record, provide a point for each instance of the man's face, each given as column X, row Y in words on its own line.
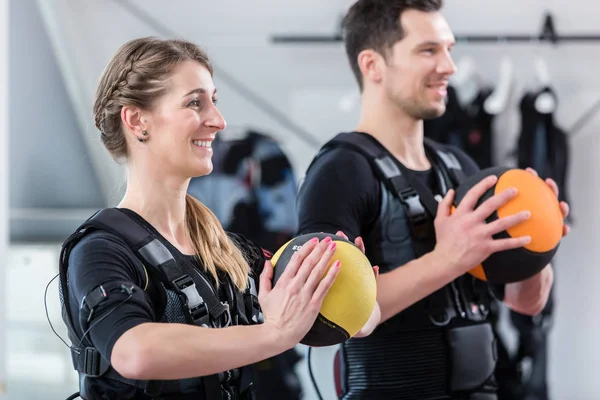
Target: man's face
column 418, row 67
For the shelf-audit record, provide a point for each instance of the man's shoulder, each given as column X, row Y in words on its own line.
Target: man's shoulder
column 333, row 153
column 468, row 165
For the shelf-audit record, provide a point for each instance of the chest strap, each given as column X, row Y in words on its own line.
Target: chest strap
column 201, row 304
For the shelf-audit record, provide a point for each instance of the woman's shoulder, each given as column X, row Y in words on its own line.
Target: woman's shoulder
column 103, row 255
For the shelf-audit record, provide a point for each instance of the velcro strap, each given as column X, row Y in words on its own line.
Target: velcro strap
column 89, row 362
column 101, row 292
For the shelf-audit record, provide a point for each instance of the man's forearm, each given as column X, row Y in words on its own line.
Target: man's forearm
column 529, row 297
column 404, row 286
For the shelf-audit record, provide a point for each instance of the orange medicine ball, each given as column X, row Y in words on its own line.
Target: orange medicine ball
column 545, row 226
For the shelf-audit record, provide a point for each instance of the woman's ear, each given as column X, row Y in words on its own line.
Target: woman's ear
column 134, row 121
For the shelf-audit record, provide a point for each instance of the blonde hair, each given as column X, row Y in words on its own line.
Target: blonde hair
column 137, row 76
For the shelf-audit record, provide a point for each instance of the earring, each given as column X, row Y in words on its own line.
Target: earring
column 143, row 139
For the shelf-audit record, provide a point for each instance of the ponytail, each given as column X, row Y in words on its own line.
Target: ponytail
column 213, row 246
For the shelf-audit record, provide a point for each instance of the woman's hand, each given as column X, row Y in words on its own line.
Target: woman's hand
column 293, row 304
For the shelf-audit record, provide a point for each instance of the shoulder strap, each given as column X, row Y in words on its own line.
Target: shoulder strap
column 201, row 301
column 394, row 175
column 448, row 160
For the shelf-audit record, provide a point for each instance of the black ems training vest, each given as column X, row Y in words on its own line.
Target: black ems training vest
column 417, row 353
column 186, row 297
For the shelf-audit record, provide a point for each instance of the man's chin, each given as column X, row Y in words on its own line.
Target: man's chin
column 433, row 112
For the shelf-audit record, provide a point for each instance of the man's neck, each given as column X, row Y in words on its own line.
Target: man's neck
column 401, row 134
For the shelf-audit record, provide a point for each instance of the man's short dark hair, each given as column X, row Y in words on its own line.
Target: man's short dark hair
column 375, row 24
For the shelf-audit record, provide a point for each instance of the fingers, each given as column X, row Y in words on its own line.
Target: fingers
column 505, row 223
column 326, row 283
column 509, row 244
column 532, row 171
column 550, row 182
column 342, row 234
column 444, row 207
column 360, row 244
column 297, row 259
column 470, row 200
column 316, row 274
column 266, row 277
column 564, row 208
column 493, row 203
column 313, row 259
column 376, row 271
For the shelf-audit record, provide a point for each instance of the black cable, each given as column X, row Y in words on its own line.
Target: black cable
column 142, row 15
column 104, row 316
column 77, row 349
column 73, row 396
column 311, row 375
column 48, row 316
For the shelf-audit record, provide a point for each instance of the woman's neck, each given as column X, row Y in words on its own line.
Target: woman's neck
column 160, row 200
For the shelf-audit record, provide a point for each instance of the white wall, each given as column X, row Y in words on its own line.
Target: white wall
column 46, row 185
column 3, row 187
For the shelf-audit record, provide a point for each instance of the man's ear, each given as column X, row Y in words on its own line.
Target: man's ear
column 371, row 65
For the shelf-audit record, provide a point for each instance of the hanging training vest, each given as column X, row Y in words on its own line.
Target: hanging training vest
column 190, row 299
column 467, row 127
column 252, row 189
column 542, row 145
column 424, row 350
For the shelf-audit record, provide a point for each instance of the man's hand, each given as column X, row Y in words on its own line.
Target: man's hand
column 564, row 207
column 529, row 297
column 375, row 316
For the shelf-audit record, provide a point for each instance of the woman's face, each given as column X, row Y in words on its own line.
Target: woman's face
column 184, row 121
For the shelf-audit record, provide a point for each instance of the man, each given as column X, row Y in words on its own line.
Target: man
column 435, row 340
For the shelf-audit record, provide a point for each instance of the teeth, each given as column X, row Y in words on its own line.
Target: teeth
column 202, row 143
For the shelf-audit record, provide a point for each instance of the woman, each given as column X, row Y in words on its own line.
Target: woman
column 156, row 110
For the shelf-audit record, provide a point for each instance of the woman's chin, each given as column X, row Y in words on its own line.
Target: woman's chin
column 202, row 169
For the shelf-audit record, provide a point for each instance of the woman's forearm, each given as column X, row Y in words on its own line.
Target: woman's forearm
column 177, row 351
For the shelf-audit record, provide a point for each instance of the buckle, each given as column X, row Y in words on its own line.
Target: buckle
column 91, row 362
column 440, row 319
column 416, row 211
column 416, row 214
column 227, row 315
column 256, row 311
column 193, row 301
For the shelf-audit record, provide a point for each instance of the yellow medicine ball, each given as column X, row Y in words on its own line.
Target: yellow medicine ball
column 351, row 299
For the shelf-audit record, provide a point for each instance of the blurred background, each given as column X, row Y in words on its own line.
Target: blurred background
column 295, row 95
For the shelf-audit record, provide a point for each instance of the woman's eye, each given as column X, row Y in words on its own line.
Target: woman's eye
column 195, row 103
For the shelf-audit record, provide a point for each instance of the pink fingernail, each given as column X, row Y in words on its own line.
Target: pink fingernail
column 337, row 264
column 314, row 240
column 327, row 239
column 332, row 246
